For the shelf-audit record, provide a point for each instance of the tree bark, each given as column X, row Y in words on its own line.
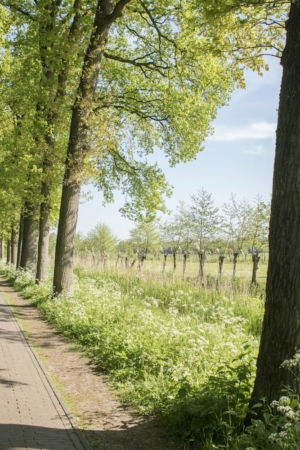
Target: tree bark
column 202, row 258
column 2, row 247
column 78, row 147
column 281, row 325
column 255, row 260
column 235, row 258
column 30, row 244
column 20, row 240
column 63, row 273
column 174, row 260
column 14, row 246
column 185, row 257
column 118, row 259
column 8, row 252
column 165, row 262
column 221, row 262
column 44, row 233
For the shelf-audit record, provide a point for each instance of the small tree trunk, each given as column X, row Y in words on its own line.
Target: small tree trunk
column 117, row 261
column 141, row 259
column 14, row 246
column 133, row 262
column 165, row 263
column 2, row 247
column 8, row 252
column 255, row 259
column 221, row 262
column 174, row 260
column 20, row 240
column 30, row 244
column 235, row 258
column 44, row 233
column 185, row 257
column 126, row 262
column 202, row 258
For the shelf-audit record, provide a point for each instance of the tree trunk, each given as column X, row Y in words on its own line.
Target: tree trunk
column 185, row 257
column 2, row 247
column 78, row 147
column 63, row 273
column 235, row 258
column 30, row 244
column 221, row 262
column 255, row 259
column 44, row 233
column 14, row 246
column 280, row 335
column 118, row 259
column 174, row 260
column 133, row 262
column 202, row 258
column 165, row 263
column 20, row 240
column 8, row 252
column 141, row 260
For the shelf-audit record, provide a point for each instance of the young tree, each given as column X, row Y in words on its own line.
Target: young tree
column 236, row 226
column 145, row 238
column 178, row 232
column 259, row 224
column 101, row 239
column 205, row 217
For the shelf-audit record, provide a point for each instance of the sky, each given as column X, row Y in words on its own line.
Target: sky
column 238, row 158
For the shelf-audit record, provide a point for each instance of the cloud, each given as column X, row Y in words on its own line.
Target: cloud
column 258, row 130
column 254, row 150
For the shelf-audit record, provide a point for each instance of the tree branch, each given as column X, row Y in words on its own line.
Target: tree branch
column 160, row 34
column 19, row 9
column 117, row 154
column 148, row 64
column 117, row 12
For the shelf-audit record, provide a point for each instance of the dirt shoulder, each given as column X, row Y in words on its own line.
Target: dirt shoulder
column 105, row 422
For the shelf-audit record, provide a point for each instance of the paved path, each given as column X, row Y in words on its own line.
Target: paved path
column 31, row 414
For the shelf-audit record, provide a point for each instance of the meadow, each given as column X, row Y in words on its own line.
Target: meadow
column 172, row 349
column 153, row 267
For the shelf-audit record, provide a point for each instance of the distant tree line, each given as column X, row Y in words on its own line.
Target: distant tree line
column 239, row 226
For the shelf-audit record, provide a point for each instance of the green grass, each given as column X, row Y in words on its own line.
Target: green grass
column 153, row 268
column 172, row 349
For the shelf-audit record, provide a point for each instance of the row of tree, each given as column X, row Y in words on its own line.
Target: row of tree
column 240, row 226
column 89, row 89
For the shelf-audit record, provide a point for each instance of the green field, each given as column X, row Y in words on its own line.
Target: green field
column 153, row 268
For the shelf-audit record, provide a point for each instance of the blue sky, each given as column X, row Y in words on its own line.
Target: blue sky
column 238, row 158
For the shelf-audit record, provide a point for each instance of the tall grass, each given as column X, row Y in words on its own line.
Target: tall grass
column 172, row 349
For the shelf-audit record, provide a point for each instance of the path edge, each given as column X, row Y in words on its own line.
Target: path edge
column 83, row 440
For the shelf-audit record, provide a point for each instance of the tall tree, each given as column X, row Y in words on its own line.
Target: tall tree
column 280, row 335
column 148, row 67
